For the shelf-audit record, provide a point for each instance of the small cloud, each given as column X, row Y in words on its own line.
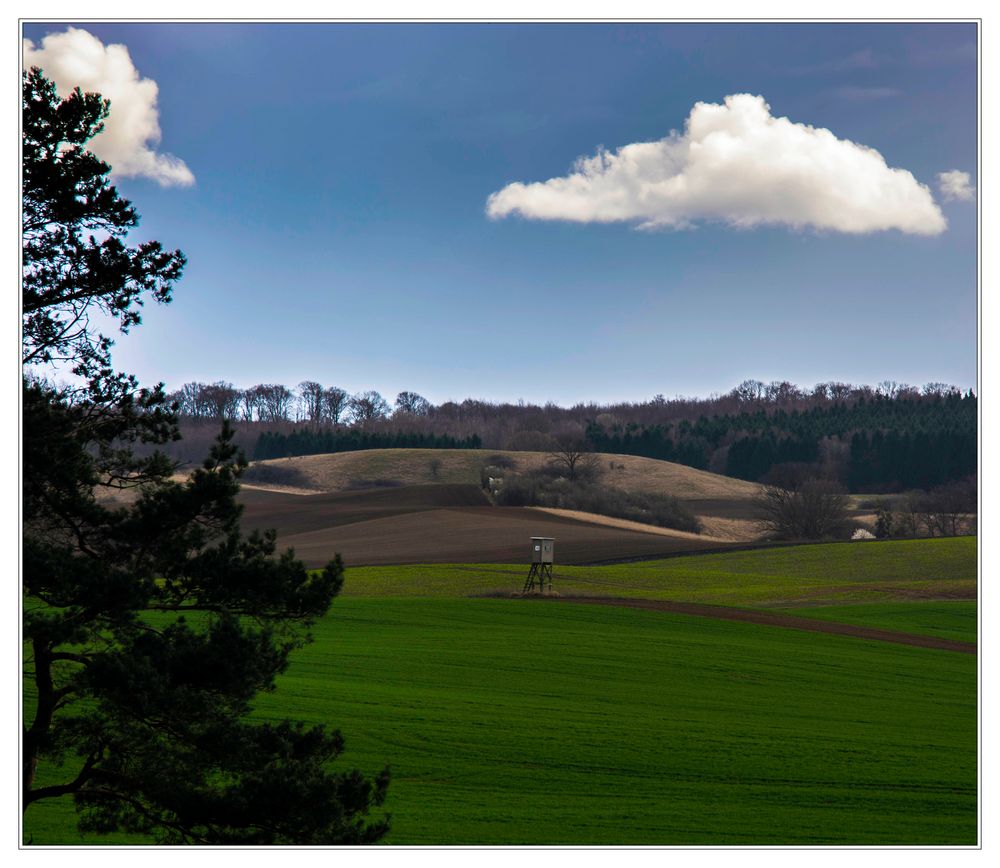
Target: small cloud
column 956, row 185
column 76, row 58
column 737, row 164
column 865, row 94
column 943, row 55
column 862, row 59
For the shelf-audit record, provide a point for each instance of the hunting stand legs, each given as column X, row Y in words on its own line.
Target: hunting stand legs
column 538, row 572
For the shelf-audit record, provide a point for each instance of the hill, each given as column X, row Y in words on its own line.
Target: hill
column 385, row 506
column 724, row 505
column 446, row 523
column 341, row 471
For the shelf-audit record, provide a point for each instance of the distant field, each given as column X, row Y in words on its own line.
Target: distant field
column 512, row 723
column 443, row 523
column 724, row 505
column 290, row 514
column 342, row 470
column 808, row 575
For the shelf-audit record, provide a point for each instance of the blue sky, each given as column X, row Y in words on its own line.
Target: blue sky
column 337, row 227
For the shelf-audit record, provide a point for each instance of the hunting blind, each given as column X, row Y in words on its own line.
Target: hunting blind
column 542, row 558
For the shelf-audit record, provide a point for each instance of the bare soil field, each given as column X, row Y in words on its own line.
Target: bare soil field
column 444, row 524
column 292, row 514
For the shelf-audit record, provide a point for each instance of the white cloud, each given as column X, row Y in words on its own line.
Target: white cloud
column 737, row 164
column 865, row 94
column 75, row 58
column 956, row 185
column 863, row 59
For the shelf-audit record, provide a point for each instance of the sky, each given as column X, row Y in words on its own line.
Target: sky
column 548, row 212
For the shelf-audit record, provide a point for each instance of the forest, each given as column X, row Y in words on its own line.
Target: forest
column 887, row 438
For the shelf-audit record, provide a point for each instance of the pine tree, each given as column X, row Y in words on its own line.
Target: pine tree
column 150, row 623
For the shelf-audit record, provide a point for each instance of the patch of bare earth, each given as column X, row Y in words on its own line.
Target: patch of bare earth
column 279, row 489
column 730, row 529
column 626, row 524
column 774, row 619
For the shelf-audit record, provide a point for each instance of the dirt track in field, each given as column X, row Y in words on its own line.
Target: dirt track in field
column 773, row 619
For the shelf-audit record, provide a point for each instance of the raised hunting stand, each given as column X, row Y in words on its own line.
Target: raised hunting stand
column 542, row 557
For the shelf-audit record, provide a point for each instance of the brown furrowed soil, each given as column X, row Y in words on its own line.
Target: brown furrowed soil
column 292, row 514
column 460, row 534
column 447, row 521
column 773, row 619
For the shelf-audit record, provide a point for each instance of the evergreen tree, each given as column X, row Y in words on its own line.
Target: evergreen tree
column 883, row 521
column 150, row 624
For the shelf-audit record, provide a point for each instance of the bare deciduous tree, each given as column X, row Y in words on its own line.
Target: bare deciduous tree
column 366, row 406
column 782, row 392
column 839, row 391
column 250, row 403
column 221, row 400
column 816, row 509
column 311, row 399
column 191, row 400
column 940, row 389
column 275, row 401
column 949, row 510
column 335, row 402
column 412, row 403
column 749, row 391
column 574, row 458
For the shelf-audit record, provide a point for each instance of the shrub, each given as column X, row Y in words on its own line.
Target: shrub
column 503, row 461
column 276, row 474
column 817, row 509
column 544, row 488
column 491, row 477
column 883, row 521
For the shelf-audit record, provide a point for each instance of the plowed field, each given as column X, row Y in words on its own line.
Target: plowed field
column 441, row 524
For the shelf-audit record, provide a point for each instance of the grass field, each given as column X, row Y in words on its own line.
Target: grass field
column 793, row 576
column 342, row 470
column 509, row 722
column 949, row 619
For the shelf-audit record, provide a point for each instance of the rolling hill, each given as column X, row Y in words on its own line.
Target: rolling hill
column 340, row 471
column 426, row 505
column 446, row 523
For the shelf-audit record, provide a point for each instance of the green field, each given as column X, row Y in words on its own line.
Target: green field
column 952, row 619
column 806, row 575
column 507, row 722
